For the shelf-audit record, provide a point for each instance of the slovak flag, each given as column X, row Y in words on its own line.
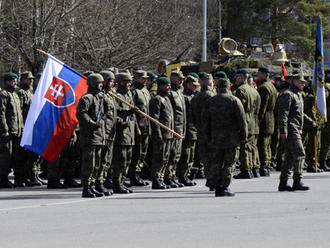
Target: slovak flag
column 51, row 120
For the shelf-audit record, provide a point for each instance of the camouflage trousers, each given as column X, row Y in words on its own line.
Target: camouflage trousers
column 294, row 158
column 106, row 159
column 264, row 149
column 122, row 158
column 9, row 152
column 255, row 153
column 309, row 144
column 91, row 169
column 205, row 153
column 139, row 153
column 160, row 157
column 187, row 158
column 175, row 154
column 222, row 166
column 245, row 154
column 325, row 142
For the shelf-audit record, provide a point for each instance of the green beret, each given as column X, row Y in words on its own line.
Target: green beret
column 204, row 75
column 163, row 80
column 27, row 75
column 223, row 83
column 162, row 75
column 220, row 74
column 9, row 76
column 94, row 78
column 177, row 74
column 107, row 75
column 123, row 77
column 264, row 69
column 151, row 75
column 141, row 73
column 193, row 80
column 195, row 75
column 242, row 71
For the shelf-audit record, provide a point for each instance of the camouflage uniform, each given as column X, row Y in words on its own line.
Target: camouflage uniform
column 224, row 127
column 325, row 131
column 268, row 96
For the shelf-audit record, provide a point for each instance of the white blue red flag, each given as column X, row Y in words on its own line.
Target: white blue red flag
column 318, row 72
column 51, row 120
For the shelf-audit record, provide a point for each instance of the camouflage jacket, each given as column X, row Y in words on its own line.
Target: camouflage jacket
column 191, row 130
column 268, row 95
column 224, row 122
column 290, row 114
column 91, row 130
column 25, row 95
column 152, row 88
column 141, row 98
column 11, row 119
column 110, row 117
column 179, row 110
column 160, row 108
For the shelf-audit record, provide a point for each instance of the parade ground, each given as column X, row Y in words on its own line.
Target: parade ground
column 258, row 216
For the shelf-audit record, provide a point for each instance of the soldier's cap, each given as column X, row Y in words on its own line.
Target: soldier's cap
column 27, row 75
column 141, row 73
column 87, row 73
column 223, row 83
column 193, row 80
column 220, row 74
column 242, row 71
column 264, row 69
column 94, row 78
column 151, row 75
column 177, row 74
column 299, row 77
column 123, row 76
column 163, row 80
column 195, row 75
column 107, row 75
column 204, row 75
column 9, row 76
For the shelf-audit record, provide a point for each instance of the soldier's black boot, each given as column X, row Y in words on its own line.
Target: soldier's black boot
column 120, row 189
column 200, row 174
column 193, row 173
column 71, row 183
column 34, row 180
column 278, row 165
column 264, row 172
column 19, row 181
column 157, row 185
column 223, row 191
column 311, row 169
column 298, row 185
column 255, row 172
column 6, row 184
column 170, row 183
column 180, row 185
column 108, row 183
column 136, row 180
column 55, row 184
column 96, row 192
column 186, row 181
column 243, row 175
column 87, row 193
column 324, row 166
column 100, row 188
column 284, row 186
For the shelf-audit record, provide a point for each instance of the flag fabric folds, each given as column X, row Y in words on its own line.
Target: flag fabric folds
column 284, row 72
column 51, row 120
column 318, row 72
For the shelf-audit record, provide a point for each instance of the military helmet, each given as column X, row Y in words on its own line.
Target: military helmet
column 94, row 79
column 107, row 75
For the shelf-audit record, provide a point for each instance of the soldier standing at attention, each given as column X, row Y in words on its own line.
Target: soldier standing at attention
column 291, row 119
column 151, row 83
column 179, row 112
column 268, row 96
column 198, row 104
column 224, row 127
column 160, row 108
column 89, row 110
column 245, row 93
column 188, row 146
column 125, row 133
column 141, row 98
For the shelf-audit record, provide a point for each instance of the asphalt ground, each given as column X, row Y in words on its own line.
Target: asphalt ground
column 258, row 216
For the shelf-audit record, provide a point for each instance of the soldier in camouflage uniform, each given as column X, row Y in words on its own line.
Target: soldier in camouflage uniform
column 125, row 134
column 291, row 119
column 325, row 131
column 268, row 95
column 188, row 146
column 179, row 112
column 160, row 108
column 151, row 83
column 110, row 113
column 11, row 127
column 250, row 102
column 224, row 127
column 92, row 136
column 141, row 98
column 197, row 104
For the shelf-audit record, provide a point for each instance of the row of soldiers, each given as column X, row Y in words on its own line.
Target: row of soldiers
column 114, row 140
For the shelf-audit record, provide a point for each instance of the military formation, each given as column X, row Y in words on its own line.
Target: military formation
column 253, row 124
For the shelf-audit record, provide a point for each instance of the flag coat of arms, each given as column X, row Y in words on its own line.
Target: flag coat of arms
column 51, row 120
